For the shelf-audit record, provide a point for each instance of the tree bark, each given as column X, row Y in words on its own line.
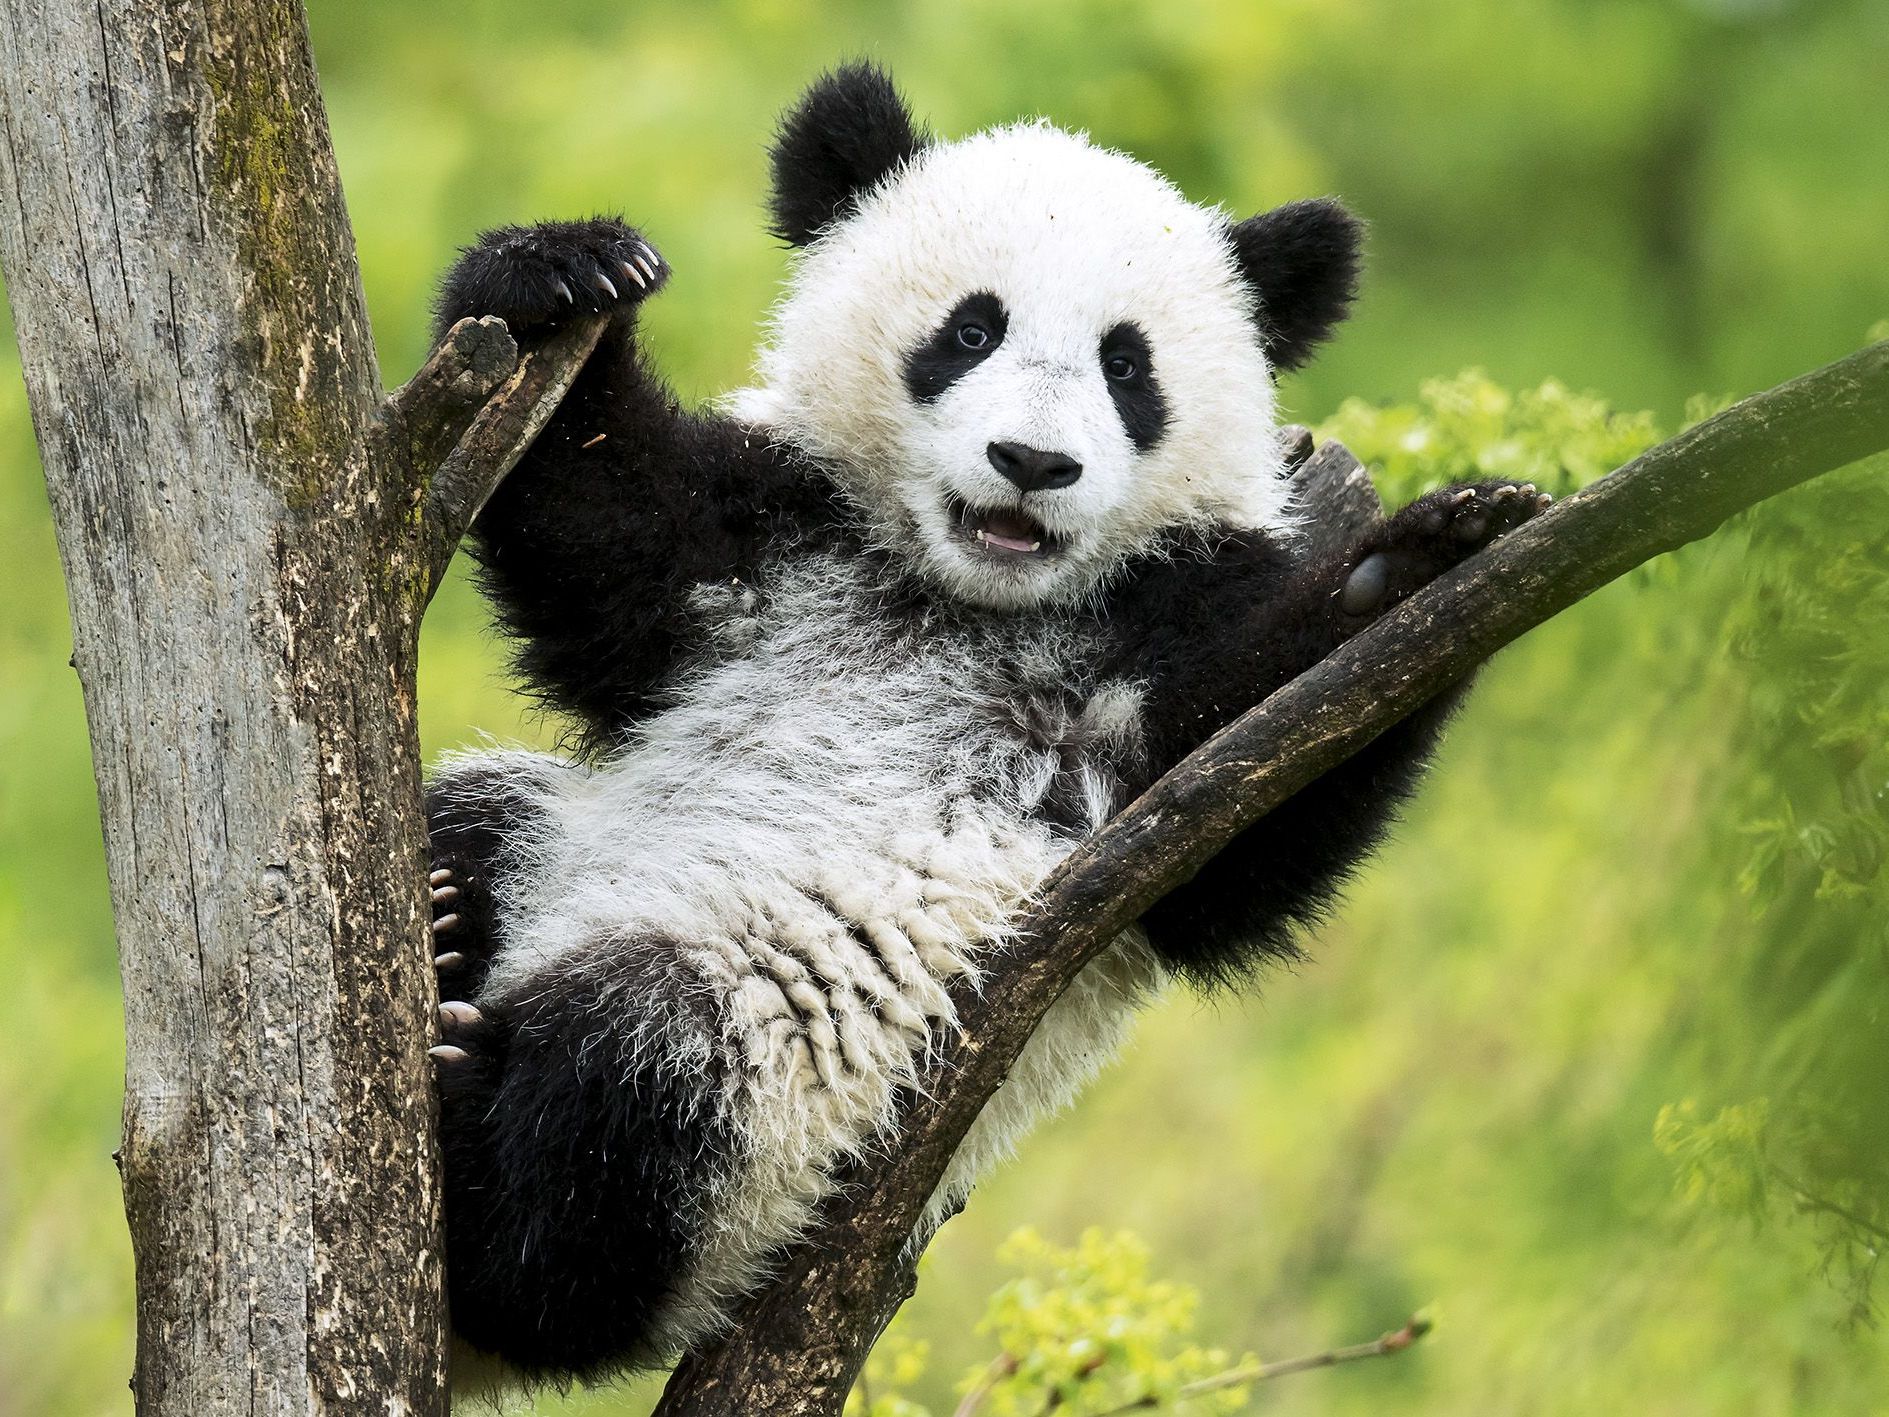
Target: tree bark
column 201, row 373
column 798, row 1346
column 249, row 538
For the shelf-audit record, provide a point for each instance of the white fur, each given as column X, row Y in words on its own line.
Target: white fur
column 843, row 778
column 1074, row 239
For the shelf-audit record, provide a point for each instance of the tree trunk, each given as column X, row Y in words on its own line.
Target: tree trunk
column 245, row 593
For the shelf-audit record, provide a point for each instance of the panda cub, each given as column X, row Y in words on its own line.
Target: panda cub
column 1001, row 534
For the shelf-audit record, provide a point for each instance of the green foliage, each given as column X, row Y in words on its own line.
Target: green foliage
column 1808, row 826
column 1468, row 428
column 1744, row 1164
column 1720, row 1162
column 1805, row 813
column 1084, row 1330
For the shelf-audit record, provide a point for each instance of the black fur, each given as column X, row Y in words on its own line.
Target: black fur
column 621, row 508
column 1137, row 393
column 849, row 133
column 945, row 357
column 1217, row 627
column 575, row 1173
column 1303, row 261
column 536, row 275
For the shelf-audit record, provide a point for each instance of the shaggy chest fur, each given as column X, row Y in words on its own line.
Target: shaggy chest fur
column 774, row 881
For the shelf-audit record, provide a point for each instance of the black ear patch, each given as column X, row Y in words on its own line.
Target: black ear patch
column 1303, row 260
column 847, row 132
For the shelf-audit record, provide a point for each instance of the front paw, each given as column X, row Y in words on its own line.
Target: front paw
column 1431, row 535
column 532, row 276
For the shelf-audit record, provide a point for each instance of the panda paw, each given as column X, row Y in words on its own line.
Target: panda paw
column 1471, row 517
column 464, row 1032
column 463, row 938
column 1430, row 536
column 534, row 276
column 447, row 921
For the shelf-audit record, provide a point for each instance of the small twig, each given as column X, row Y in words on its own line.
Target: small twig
column 494, row 441
column 1391, row 1343
column 1001, row 1367
column 1083, row 1374
column 1812, row 1201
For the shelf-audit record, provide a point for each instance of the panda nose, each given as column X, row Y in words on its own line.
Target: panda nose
column 1032, row 469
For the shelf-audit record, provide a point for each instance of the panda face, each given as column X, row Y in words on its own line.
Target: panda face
column 1024, row 447
column 1024, row 357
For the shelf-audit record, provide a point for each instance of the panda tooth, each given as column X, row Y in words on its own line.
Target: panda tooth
column 1036, row 546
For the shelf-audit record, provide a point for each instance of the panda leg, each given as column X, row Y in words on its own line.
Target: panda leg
column 581, row 1155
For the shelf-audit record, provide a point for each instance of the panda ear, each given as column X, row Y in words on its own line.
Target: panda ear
column 847, row 132
column 1302, row 260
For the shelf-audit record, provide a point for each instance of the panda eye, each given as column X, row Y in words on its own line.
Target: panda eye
column 1119, row 367
column 972, row 335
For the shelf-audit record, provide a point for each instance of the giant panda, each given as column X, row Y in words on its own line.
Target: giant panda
column 1001, row 532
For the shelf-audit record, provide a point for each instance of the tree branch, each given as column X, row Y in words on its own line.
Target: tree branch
column 421, row 421
column 1396, row 1341
column 799, row 1344
column 496, row 437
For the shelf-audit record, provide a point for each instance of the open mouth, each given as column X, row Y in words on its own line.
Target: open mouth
column 1007, row 533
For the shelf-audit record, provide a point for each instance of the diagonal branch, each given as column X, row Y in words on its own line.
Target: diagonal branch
column 799, row 1344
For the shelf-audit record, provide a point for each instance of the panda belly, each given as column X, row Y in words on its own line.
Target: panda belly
column 782, row 875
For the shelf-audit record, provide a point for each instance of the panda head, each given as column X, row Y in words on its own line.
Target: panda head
column 1026, row 357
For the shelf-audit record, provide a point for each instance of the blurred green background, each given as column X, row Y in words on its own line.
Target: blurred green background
column 1648, row 872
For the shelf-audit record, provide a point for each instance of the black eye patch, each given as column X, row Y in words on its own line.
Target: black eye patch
column 1128, row 368
column 965, row 338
